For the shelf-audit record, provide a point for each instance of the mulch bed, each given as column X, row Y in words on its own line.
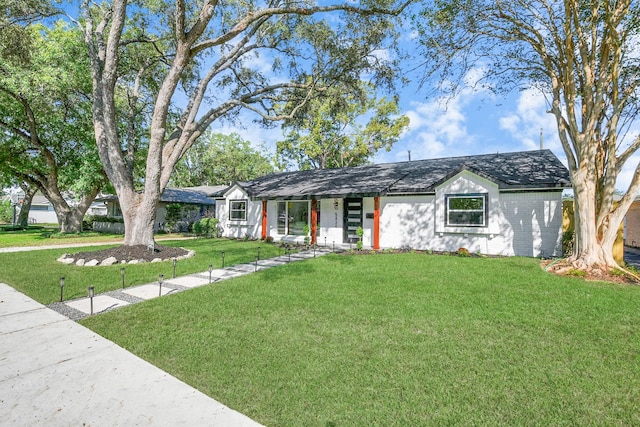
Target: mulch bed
column 129, row 253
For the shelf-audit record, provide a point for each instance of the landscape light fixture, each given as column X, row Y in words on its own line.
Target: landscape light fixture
column 222, row 259
column 175, row 261
column 256, row 265
column 61, row 287
column 160, row 280
column 122, row 274
column 91, row 294
column 325, row 241
column 258, row 252
column 210, row 270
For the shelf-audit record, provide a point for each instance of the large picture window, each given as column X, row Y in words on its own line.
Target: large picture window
column 293, row 217
column 467, row 210
column 238, row 210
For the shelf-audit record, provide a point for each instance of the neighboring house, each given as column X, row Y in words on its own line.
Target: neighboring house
column 632, row 225
column 503, row 204
column 195, row 204
column 41, row 211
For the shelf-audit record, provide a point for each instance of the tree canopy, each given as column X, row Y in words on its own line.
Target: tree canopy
column 206, row 61
column 46, row 121
column 341, row 127
column 219, row 159
column 583, row 56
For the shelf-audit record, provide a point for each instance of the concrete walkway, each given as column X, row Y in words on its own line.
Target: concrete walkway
column 83, row 307
column 55, row 372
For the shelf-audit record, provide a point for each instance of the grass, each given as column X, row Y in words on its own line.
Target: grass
column 37, row 273
column 41, row 236
column 399, row 339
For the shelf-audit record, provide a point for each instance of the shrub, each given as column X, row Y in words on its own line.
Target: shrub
column 359, row 233
column 206, row 227
column 567, row 243
column 464, row 252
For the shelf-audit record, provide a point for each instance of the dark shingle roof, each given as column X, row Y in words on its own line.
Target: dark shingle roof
column 538, row 169
column 178, row 195
column 175, row 195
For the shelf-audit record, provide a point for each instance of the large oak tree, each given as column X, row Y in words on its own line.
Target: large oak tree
column 212, row 60
column 46, row 134
column 344, row 126
column 583, row 56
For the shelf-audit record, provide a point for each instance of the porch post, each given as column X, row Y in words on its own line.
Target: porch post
column 264, row 220
column 314, row 220
column 376, row 222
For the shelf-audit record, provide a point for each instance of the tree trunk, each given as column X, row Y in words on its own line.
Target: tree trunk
column 593, row 250
column 139, row 214
column 25, row 207
column 70, row 217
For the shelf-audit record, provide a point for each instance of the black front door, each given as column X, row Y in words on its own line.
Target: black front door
column 352, row 219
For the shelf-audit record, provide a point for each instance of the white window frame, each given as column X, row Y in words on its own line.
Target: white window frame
column 286, row 213
column 483, row 211
column 243, row 210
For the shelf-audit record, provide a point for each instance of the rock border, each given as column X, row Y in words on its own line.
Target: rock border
column 81, row 262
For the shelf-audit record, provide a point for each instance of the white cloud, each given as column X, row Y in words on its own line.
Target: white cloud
column 529, row 119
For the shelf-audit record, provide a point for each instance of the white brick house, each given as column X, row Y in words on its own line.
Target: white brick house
column 503, row 204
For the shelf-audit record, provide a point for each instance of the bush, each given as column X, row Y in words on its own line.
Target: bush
column 464, row 252
column 206, row 227
column 359, row 233
column 567, row 243
column 6, row 211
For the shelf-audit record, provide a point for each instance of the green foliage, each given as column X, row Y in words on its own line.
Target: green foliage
column 6, row 211
column 306, row 230
column 329, row 133
column 46, row 128
column 218, row 159
column 206, row 227
column 567, row 242
column 359, row 233
column 463, row 252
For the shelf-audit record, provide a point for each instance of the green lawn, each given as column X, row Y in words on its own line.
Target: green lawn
column 37, row 273
column 399, row 339
column 43, row 236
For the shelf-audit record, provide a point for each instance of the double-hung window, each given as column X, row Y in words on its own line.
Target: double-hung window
column 238, row 210
column 466, row 210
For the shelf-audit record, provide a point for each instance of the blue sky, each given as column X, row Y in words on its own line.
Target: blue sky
column 473, row 122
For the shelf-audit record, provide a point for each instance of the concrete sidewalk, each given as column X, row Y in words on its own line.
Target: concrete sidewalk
column 55, row 372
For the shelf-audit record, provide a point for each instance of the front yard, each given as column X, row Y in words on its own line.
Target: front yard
column 399, row 339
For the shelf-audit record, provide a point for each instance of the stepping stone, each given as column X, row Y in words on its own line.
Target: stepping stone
column 148, row 291
column 191, row 281
column 100, row 303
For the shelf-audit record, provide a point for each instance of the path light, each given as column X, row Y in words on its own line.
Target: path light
column 210, row 270
column 314, row 250
column 175, row 261
column 91, row 293
column 334, row 246
column 256, row 265
column 258, row 252
column 160, row 280
column 122, row 274
column 222, row 259
column 325, row 241
column 289, row 252
column 61, row 287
